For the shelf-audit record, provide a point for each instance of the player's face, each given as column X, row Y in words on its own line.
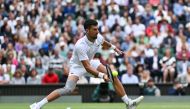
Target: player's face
column 93, row 32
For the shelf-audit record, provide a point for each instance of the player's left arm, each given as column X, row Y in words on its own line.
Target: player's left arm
column 108, row 45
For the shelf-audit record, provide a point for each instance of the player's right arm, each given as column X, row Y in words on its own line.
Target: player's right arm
column 83, row 57
column 93, row 71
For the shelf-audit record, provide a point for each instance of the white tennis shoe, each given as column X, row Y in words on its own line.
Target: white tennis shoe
column 134, row 103
column 34, row 106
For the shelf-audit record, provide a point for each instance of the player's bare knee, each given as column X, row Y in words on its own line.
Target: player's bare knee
column 65, row 91
column 69, row 88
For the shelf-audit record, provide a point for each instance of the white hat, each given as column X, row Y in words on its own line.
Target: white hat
column 11, row 7
column 62, row 43
column 151, row 21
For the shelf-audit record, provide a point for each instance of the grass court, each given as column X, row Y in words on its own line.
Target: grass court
column 143, row 105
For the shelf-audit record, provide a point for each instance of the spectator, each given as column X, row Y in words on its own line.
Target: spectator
column 149, row 52
column 4, row 77
column 39, row 67
column 175, row 23
column 129, row 77
column 63, row 50
column 91, row 8
column 183, row 61
column 170, row 42
column 178, row 9
column 176, row 89
column 113, row 6
column 102, row 8
column 113, row 18
column 168, row 64
column 128, row 26
column 184, row 79
column 123, row 67
column 25, row 71
column 151, row 89
column 145, row 76
column 127, row 44
column 160, row 13
column 154, row 66
column 32, row 45
column 2, row 58
column 29, row 59
column 5, row 42
column 151, row 28
column 34, row 77
column 148, row 16
column 11, row 59
column 164, row 27
column 9, row 49
column 138, row 28
column 44, row 58
column 10, row 70
column 70, row 8
column 56, row 63
column 133, row 53
column 141, row 58
column 19, row 45
column 12, row 22
column 18, row 78
column 137, row 9
column 50, row 77
column 139, row 68
column 81, row 10
column 118, row 33
column 58, row 15
column 183, row 53
column 22, row 53
column 181, row 39
column 47, row 46
column 167, row 5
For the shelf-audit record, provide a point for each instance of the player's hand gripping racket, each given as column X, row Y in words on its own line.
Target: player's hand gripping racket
column 109, row 71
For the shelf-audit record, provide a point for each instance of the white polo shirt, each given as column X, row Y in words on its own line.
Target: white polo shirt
column 84, row 50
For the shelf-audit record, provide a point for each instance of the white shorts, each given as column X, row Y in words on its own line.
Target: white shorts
column 79, row 70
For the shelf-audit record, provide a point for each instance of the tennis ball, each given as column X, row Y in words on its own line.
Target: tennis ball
column 114, row 73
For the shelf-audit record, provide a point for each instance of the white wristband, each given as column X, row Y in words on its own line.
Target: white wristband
column 101, row 75
column 113, row 46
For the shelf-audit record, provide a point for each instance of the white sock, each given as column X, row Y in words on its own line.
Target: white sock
column 125, row 99
column 42, row 102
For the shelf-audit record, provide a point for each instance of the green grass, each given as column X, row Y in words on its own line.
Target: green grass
column 180, row 105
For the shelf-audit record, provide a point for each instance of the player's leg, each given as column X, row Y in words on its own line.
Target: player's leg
column 131, row 104
column 69, row 87
column 117, row 84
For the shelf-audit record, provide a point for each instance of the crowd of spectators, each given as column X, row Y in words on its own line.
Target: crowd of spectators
column 37, row 39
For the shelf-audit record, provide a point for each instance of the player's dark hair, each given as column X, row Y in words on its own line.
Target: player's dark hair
column 89, row 23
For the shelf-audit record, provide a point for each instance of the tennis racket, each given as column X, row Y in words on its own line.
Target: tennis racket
column 109, row 71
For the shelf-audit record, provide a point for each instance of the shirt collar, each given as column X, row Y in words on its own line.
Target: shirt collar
column 88, row 42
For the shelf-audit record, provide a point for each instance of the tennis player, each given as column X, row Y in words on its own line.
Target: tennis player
column 82, row 62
